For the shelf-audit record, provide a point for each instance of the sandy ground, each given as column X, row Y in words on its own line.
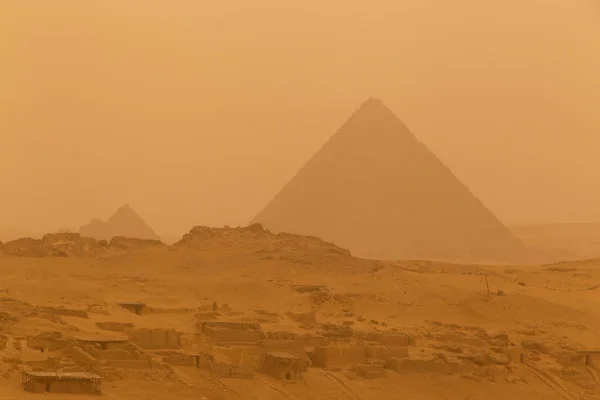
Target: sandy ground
column 441, row 305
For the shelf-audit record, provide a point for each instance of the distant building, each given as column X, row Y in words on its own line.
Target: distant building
column 284, row 366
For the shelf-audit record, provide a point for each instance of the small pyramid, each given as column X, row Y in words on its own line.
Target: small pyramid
column 124, row 222
column 374, row 189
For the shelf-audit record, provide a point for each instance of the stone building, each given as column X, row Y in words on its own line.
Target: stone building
column 284, row 366
column 57, row 382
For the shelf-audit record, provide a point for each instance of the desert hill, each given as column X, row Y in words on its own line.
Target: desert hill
column 375, row 189
column 256, row 240
column 560, row 242
column 124, row 222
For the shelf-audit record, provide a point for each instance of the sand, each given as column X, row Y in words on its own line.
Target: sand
column 458, row 330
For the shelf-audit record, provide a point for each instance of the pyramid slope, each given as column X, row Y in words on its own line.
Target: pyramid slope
column 375, row 189
column 125, row 222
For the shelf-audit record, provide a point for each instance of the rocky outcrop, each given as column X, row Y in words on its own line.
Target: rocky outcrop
column 55, row 245
column 73, row 245
column 258, row 240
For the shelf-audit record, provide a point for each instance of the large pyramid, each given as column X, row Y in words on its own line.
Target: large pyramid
column 125, row 222
column 374, row 189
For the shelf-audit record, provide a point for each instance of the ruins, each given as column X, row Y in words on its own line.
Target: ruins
column 284, row 366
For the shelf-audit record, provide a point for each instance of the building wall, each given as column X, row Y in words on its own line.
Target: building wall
column 115, row 326
column 180, row 359
column 221, row 334
column 130, row 364
column 156, row 338
column 82, row 357
column 594, row 360
column 232, row 325
column 280, row 369
column 71, row 386
column 333, row 356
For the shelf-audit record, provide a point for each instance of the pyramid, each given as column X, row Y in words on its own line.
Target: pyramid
column 374, row 189
column 125, row 222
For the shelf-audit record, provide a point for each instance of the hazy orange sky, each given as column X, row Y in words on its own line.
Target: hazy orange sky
column 197, row 112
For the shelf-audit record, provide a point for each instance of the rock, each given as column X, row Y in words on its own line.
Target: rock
column 255, row 239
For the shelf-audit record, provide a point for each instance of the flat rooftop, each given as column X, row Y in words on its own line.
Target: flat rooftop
column 62, row 375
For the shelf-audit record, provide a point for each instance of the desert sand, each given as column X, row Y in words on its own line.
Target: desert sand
column 220, row 303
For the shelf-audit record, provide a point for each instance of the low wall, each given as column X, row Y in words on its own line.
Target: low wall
column 221, row 334
column 255, row 326
column 156, row 338
column 593, row 360
column 513, row 354
column 405, row 365
column 385, row 352
column 66, row 312
column 180, row 359
column 228, row 371
column 82, row 357
column 369, row 371
column 115, row 326
column 130, row 364
column 333, row 356
column 388, row 339
column 71, row 386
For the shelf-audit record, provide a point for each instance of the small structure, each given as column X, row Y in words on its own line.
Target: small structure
column 62, row 382
column 115, row 326
column 232, row 331
column 369, row 371
column 590, row 357
column 151, row 339
column 239, row 325
column 309, row 288
column 136, row 308
column 198, row 360
column 284, row 366
column 101, row 341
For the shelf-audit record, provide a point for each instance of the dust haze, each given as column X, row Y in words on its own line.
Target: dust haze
column 262, row 200
column 183, row 110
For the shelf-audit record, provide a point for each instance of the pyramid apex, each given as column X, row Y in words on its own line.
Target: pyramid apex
column 124, row 222
column 373, row 101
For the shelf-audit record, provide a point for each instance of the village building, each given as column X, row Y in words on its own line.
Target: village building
column 136, row 308
column 284, row 366
column 62, row 382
